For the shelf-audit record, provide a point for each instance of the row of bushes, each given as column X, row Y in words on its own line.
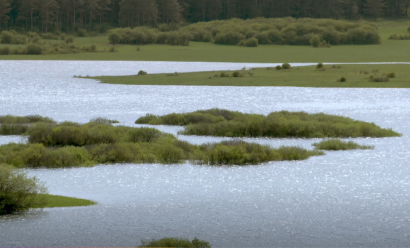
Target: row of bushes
column 284, row 31
column 277, row 124
column 54, row 48
column 144, row 35
column 18, row 125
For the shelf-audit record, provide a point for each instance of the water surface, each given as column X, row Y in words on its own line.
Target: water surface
column 343, row 199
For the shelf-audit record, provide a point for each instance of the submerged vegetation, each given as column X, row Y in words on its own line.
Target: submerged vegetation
column 225, row 123
column 175, row 242
column 337, row 145
column 69, row 144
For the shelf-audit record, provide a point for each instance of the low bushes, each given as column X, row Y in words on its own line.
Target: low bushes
column 277, row 124
column 11, row 37
column 19, row 192
column 337, row 144
column 142, row 72
column 18, row 125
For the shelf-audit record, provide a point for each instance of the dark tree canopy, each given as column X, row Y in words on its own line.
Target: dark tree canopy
column 100, row 15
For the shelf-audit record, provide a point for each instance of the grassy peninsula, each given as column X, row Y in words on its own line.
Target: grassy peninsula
column 284, row 124
column 68, row 144
column 340, row 76
column 56, row 201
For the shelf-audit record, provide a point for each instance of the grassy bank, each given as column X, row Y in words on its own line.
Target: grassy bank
column 55, row 201
column 69, row 144
column 284, row 124
column 387, row 51
column 355, row 76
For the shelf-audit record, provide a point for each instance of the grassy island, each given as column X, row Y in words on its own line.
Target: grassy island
column 340, row 76
column 284, row 124
column 338, row 145
column 68, row 144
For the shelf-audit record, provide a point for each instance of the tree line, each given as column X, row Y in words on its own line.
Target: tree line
column 100, row 15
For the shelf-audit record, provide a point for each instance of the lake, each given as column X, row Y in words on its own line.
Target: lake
column 343, row 199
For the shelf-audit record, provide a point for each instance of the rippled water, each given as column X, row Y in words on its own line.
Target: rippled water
column 343, row 199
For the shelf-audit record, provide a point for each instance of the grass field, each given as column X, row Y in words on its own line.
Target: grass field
column 55, row 201
column 388, row 51
column 309, row 76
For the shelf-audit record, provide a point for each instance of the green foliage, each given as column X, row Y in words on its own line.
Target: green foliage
column 278, row 67
column 315, row 41
column 175, row 242
column 223, row 74
column 237, row 74
column 342, row 80
column 34, row 49
column 277, row 124
column 18, row 125
column 379, row 79
column 251, row 42
column 319, row 66
column 142, row 72
column 69, row 39
column 82, row 33
column 11, row 37
column 113, row 38
column 229, row 38
column 18, row 192
column 337, row 144
column 5, row 51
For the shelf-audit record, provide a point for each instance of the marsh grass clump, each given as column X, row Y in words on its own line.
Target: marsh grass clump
column 281, row 124
column 18, row 192
column 175, row 242
column 337, row 145
column 141, row 73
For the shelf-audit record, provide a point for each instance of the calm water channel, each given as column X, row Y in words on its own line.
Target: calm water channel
column 343, row 199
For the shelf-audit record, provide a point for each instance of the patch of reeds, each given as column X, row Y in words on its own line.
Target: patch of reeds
column 337, row 145
column 225, row 123
column 175, row 242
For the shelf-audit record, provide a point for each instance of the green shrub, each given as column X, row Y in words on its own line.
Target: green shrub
column 379, row 79
column 337, row 144
column 278, row 67
column 19, row 192
column 315, row 41
column 224, row 74
column 175, row 242
column 229, row 38
column 207, row 37
column 251, row 42
column 82, row 33
column 62, row 37
column 141, row 72
column 286, row 66
column 6, row 37
column 263, row 38
column 69, row 39
column 34, row 49
column 319, row 66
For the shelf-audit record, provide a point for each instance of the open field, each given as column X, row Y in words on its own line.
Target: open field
column 309, row 76
column 55, row 201
column 388, row 51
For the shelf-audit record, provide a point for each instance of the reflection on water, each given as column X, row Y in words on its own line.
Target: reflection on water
column 343, row 199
